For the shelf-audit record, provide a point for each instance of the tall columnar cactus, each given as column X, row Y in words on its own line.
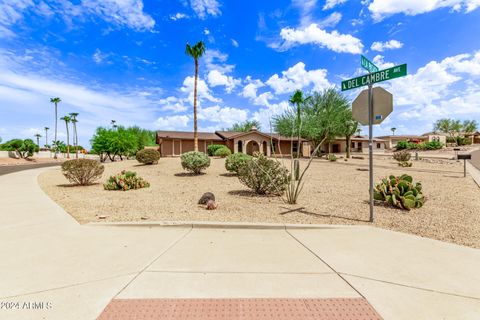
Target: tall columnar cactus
column 400, row 191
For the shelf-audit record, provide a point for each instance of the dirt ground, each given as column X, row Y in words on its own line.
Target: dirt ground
column 334, row 193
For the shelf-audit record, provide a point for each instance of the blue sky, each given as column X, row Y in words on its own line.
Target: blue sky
column 124, row 60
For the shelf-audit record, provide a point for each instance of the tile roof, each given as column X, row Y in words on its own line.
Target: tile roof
column 187, row 135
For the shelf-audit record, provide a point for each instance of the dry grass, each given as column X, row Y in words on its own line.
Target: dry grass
column 335, row 193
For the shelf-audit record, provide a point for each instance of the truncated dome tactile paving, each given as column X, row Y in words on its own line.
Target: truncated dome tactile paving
column 232, row 309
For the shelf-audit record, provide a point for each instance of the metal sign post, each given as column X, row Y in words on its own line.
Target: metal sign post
column 376, row 112
column 370, row 147
column 465, row 157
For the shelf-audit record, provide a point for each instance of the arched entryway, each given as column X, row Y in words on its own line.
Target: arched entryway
column 265, row 146
column 240, row 146
column 252, row 146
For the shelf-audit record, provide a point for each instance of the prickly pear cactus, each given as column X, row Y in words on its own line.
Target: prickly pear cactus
column 401, row 192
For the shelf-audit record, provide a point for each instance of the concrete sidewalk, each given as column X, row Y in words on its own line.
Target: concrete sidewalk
column 76, row 270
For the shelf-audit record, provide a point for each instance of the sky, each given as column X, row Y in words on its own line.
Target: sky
column 125, row 60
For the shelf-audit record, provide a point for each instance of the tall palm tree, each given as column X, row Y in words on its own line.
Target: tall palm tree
column 73, row 116
column 113, row 123
column 38, row 136
column 46, row 135
column 56, row 101
column 298, row 100
column 393, row 130
column 195, row 52
column 67, row 120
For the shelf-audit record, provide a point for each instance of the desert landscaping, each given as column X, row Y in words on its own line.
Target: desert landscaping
column 334, row 193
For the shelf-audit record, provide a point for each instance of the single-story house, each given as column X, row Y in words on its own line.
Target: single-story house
column 392, row 140
column 357, row 144
column 473, row 136
column 174, row 143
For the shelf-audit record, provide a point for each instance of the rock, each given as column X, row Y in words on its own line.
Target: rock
column 144, row 218
column 206, row 197
column 211, row 205
column 102, row 217
column 358, row 157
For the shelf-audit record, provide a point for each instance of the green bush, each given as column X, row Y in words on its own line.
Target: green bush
column 214, row 147
column 82, row 171
column 125, row 180
column 264, row 176
column 148, row 156
column 400, row 192
column 222, row 152
column 432, row 145
column 24, row 148
column 331, row 157
column 195, row 161
column 402, row 145
column 235, row 161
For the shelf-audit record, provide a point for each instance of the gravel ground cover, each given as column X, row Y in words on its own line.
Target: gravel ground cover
column 334, row 193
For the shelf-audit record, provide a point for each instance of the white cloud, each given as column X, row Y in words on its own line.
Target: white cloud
column 389, row 45
column 100, row 57
column 331, row 21
column 203, row 91
column 313, row 34
column 226, row 116
column 250, row 90
column 216, row 60
column 172, row 122
column 127, row 13
column 297, row 77
column 178, row 16
column 234, row 43
column 206, row 31
column 173, row 104
column 379, row 61
column 383, row 8
column 26, row 89
column 329, row 4
column 204, row 8
column 216, row 78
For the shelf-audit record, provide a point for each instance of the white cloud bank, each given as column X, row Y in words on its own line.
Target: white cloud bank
column 313, row 34
column 384, row 8
column 389, row 45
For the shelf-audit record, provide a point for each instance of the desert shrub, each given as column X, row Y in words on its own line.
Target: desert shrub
column 148, row 156
column 433, row 145
column 400, row 192
column 195, row 161
column 402, row 156
column 82, row 171
column 331, row 157
column 214, row 147
column 125, row 180
column 222, row 152
column 235, row 161
column 264, row 176
column 24, row 148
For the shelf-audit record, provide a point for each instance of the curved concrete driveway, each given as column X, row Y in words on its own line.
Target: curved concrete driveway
column 53, row 268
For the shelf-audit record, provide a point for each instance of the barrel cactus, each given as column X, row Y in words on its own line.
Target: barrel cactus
column 400, row 191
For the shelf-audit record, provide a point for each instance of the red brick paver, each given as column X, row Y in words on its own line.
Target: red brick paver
column 239, row 309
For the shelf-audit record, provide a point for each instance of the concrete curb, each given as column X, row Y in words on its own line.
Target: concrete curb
column 474, row 173
column 218, row 225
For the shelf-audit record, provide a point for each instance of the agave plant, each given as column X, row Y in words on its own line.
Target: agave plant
column 400, row 191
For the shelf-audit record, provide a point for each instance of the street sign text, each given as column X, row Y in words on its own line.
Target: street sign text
column 379, row 76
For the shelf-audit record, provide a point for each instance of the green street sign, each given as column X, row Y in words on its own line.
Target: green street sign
column 379, row 76
column 368, row 65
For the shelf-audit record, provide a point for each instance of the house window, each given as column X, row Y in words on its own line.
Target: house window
column 295, row 147
column 240, row 146
column 379, row 146
column 359, row 145
column 353, row 144
column 273, row 146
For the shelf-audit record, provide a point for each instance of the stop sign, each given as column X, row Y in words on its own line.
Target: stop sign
column 382, row 106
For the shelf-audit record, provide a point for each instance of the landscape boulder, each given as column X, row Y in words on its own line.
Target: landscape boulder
column 206, row 197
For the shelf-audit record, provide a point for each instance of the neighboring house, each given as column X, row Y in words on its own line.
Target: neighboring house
column 434, row 136
column 473, row 136
column 357, row 144
column 391, row 141
column 174, row 143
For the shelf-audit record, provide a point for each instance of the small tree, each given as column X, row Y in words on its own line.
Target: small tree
column 245, row 126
